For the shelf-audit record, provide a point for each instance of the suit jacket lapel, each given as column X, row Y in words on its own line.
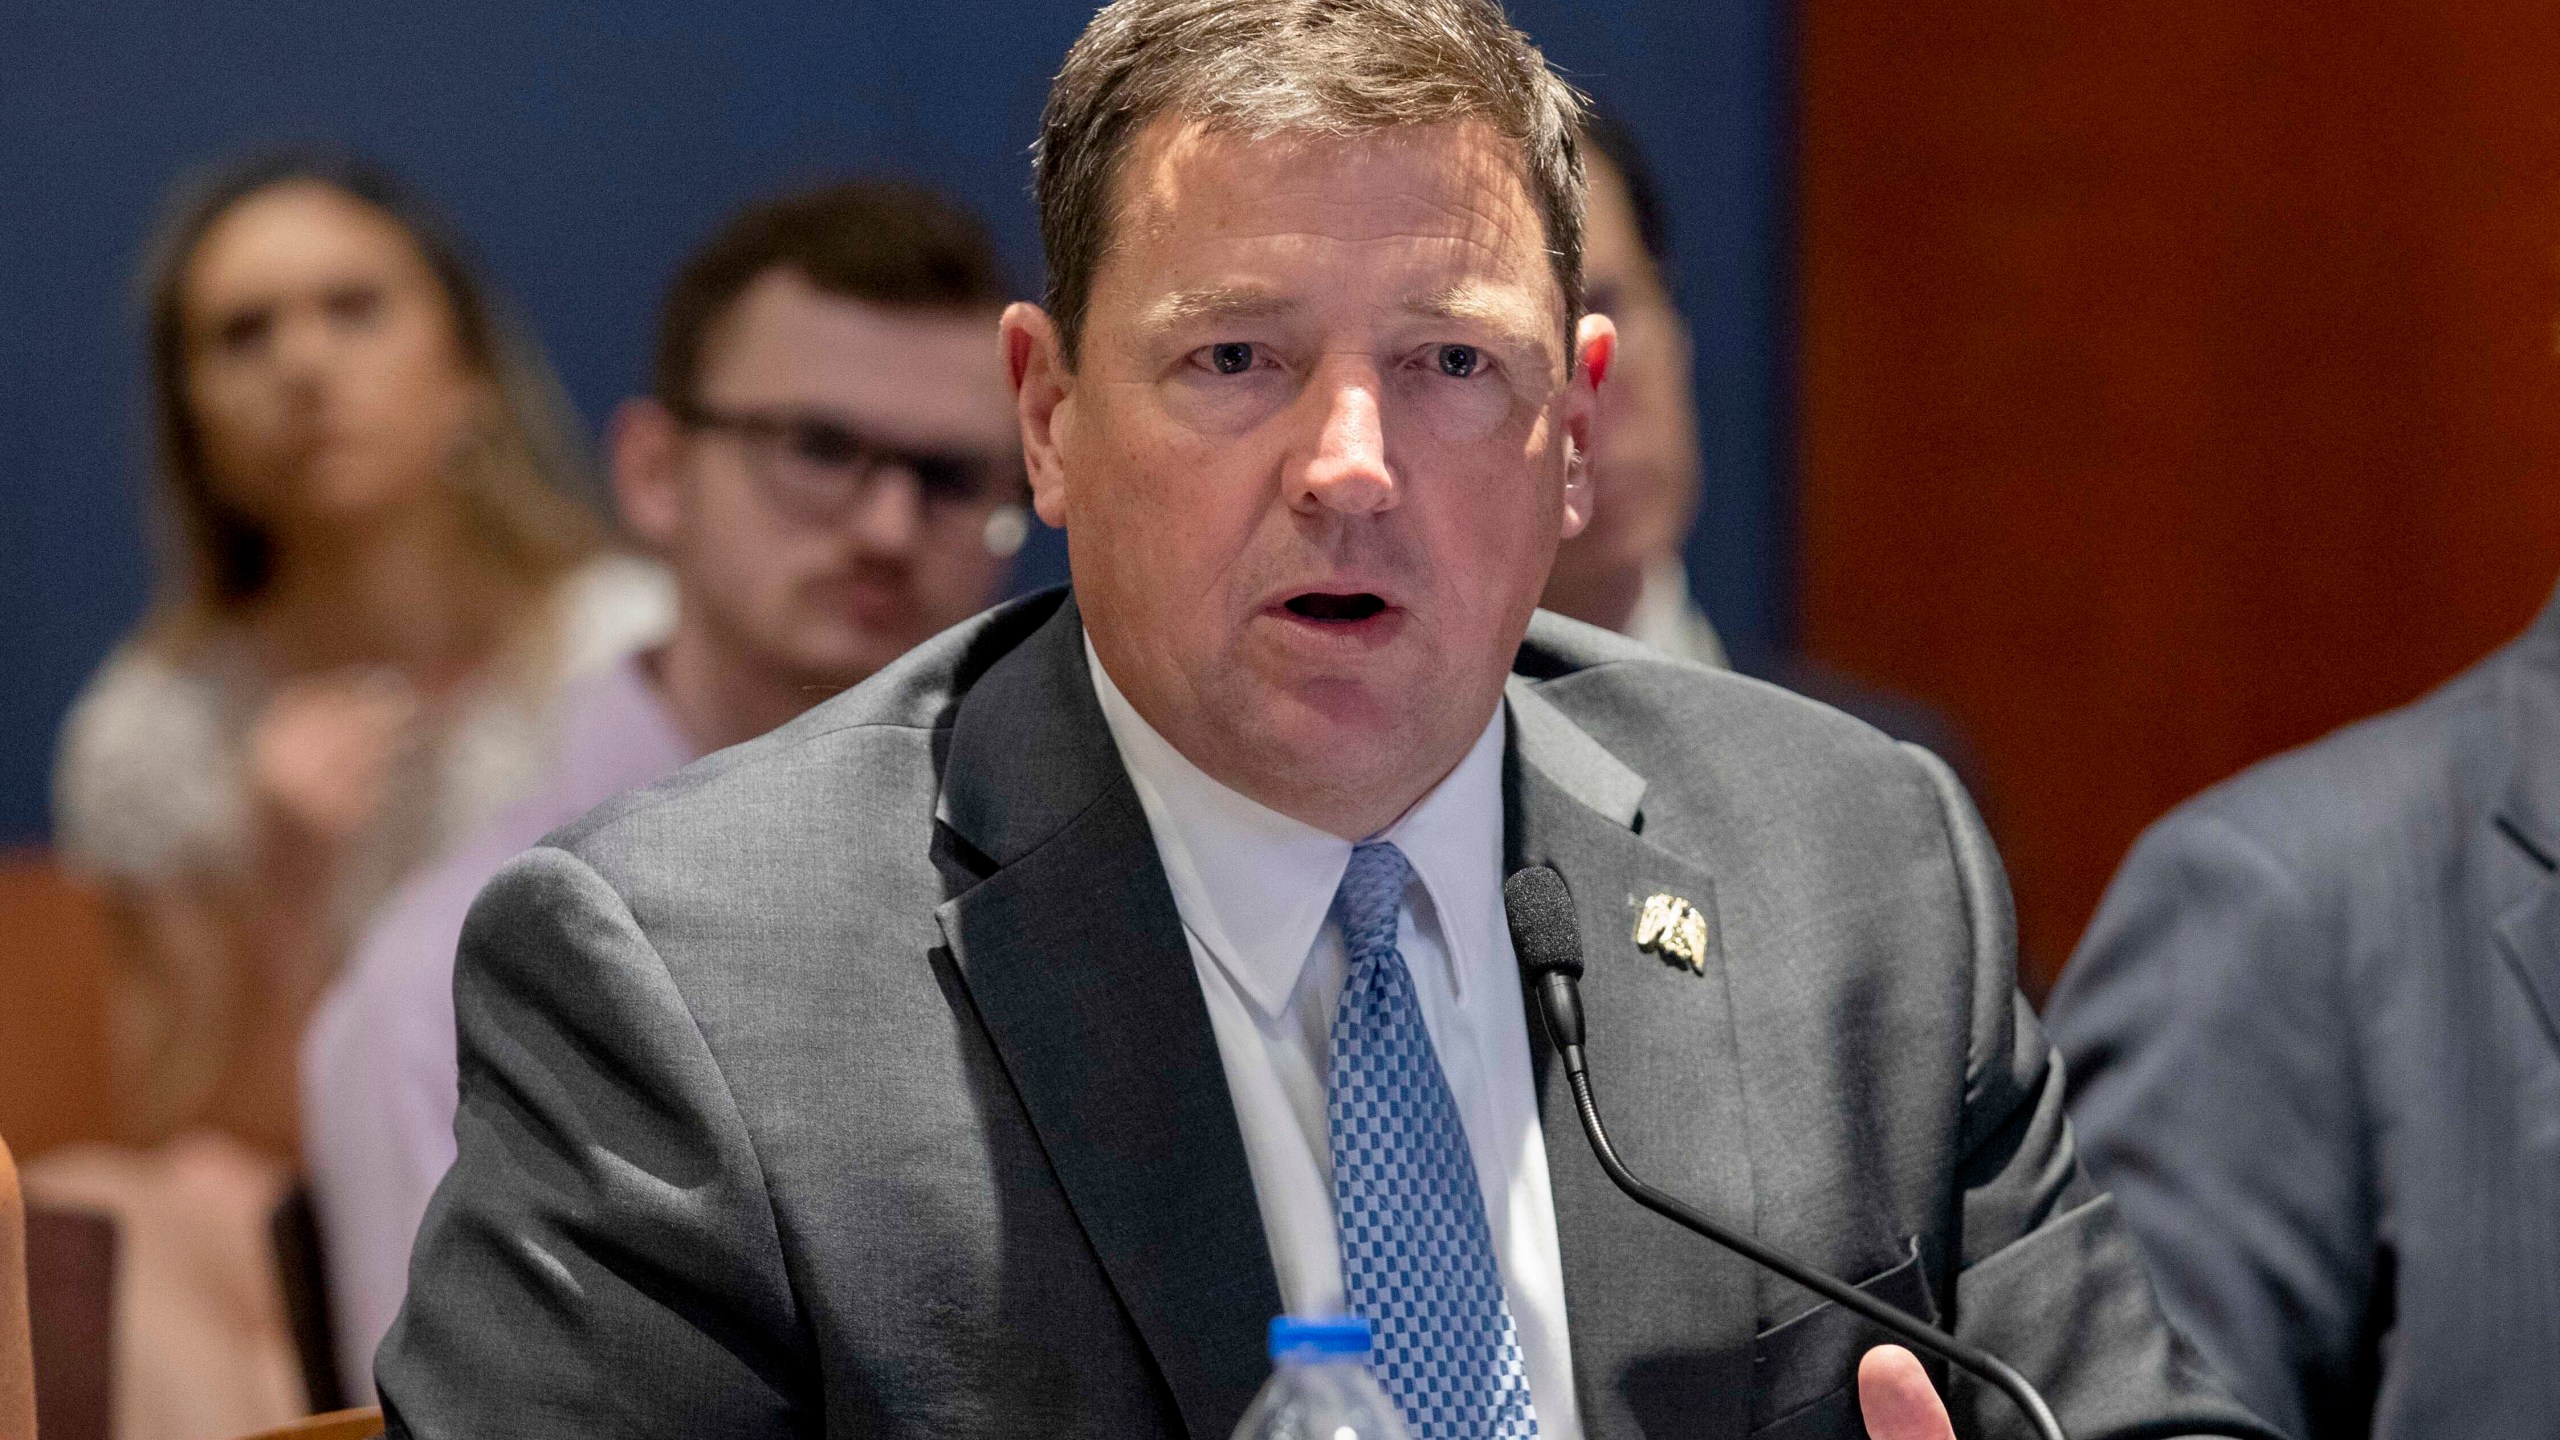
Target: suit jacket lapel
column 2529, row 815
column 1661, row 1320
column 1074, row 955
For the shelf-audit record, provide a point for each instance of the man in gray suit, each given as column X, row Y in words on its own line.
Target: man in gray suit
column 2314, row 1040
column 994, row 1050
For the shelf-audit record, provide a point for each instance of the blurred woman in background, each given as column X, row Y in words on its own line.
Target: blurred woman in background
column 378, row 576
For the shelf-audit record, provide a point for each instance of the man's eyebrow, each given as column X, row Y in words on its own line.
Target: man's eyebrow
column 1464, row 302
column 1218, row 302
column 1474, row 305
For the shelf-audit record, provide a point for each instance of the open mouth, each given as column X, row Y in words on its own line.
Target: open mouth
column 1337, row 609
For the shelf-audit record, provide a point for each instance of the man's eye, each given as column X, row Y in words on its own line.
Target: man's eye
column 944, row 479
column 1232, row 358
column 826, row 444
column 1459, row 361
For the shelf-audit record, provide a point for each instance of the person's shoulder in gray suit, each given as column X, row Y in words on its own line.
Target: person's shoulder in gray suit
column 2311, row 1049
column 857, row 1081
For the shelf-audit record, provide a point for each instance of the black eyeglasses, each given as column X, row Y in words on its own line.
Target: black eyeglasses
column 817, row 467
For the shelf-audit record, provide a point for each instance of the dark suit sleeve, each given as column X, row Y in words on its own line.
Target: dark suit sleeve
column 601, row 1259
column 2210, row 1045
column 2047, row 1276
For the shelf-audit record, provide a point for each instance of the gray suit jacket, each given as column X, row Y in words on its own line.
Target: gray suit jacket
column 856, row 1082
column 2314, row 1043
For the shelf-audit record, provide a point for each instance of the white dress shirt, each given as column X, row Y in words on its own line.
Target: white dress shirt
column 1255, row 890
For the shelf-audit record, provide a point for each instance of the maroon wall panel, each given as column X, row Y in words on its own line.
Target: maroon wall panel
column 2178, row 381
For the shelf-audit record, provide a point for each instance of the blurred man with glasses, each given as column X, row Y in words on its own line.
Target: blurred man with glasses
column 830, row 467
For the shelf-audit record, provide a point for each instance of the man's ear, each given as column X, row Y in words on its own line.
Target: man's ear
column 1041, row 386
column 643, row 449
column 1595, row 345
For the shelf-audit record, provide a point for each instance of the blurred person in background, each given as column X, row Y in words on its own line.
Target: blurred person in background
column 2313, row 1039
column 830, row 466
column 378, row 580
column 1624, row 571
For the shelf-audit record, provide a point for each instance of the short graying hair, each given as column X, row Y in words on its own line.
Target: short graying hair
column 1332, row 68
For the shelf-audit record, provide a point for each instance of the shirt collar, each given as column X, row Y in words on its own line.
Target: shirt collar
column 1255, row 885
column 1668, row 619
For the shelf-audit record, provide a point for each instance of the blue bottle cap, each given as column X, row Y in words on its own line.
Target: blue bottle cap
column 1310, row 1337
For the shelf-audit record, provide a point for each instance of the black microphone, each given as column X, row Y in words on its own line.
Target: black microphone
column 1549, row 943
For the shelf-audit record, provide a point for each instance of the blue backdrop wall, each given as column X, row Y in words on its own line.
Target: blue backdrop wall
column 585, row 146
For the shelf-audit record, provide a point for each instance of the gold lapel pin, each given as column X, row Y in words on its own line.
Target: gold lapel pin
column 1674, row 929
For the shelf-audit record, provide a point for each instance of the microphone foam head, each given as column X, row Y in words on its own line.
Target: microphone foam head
column 1543, row 930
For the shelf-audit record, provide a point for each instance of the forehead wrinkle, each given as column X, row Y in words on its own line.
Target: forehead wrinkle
column 1414, row 215
column 1474, row 225
column 1469, row 302
column 1218, row 302
column 1501, row 203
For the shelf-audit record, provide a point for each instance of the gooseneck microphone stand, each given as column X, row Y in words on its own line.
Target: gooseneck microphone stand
column 1549, row 944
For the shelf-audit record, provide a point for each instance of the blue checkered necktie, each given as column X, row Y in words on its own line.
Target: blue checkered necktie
column 1417, row 1255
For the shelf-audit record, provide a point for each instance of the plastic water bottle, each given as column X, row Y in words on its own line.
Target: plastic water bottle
column 1320, row 1386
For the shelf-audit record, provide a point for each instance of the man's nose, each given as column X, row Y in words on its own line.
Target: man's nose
column 1348, row 471
column 888, row 511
